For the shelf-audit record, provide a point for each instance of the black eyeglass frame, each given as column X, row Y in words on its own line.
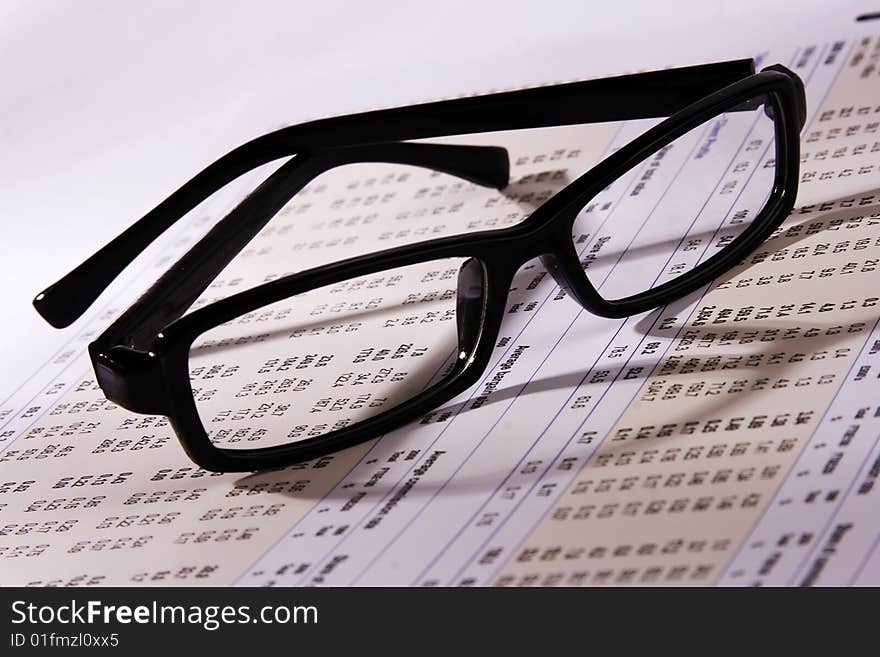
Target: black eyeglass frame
column 142, row 361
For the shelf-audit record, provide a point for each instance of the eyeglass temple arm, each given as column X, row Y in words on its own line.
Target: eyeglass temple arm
column 653, row 94
column 642, row 95
column 63, row 302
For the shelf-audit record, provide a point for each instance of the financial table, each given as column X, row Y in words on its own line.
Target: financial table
column 731, row 438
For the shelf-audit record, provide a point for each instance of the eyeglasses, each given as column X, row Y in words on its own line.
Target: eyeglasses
column 315, row 361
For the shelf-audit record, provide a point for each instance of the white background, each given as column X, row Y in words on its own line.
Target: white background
column 106, row 107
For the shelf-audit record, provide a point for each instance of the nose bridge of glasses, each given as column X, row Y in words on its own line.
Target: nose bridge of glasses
column 550, row 240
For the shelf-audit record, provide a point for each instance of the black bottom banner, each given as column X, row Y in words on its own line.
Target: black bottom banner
column 369, row 621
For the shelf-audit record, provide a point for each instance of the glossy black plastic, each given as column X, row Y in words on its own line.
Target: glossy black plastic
column 141, row 361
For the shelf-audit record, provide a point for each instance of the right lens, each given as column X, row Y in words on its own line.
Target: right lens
column 335, row 356
column 682, row 204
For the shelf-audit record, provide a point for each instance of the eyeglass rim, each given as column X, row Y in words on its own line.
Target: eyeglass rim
column 172, row 348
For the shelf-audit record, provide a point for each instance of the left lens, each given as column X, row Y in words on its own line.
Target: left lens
column 682, row 204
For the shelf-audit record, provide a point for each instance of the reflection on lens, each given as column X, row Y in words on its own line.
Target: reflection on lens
column 670, row 212
column 321, row 361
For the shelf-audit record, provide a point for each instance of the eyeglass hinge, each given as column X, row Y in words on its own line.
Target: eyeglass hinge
column 131, row 378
